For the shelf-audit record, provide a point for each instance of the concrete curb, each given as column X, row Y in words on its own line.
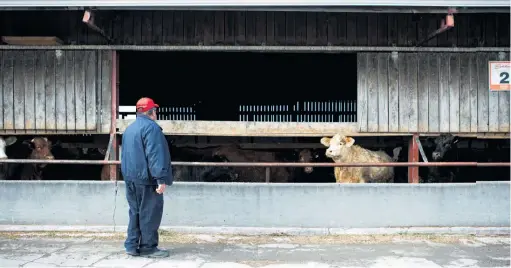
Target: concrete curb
column 271, row 231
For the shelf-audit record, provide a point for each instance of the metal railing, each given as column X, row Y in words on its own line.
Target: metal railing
column 271, row 164
column 268, row 165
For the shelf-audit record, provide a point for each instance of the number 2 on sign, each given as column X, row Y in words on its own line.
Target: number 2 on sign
column 505, row 78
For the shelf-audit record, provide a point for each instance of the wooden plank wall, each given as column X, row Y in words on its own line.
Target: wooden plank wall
column 54, row 91
column 430, row 93
column 262, row 28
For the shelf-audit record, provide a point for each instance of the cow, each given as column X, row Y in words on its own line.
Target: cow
column 233, row 153
column 201, row 173
column 445, row 147
column 4, row 167
column 103, row 170
column 311, row 174
column 343, row 150
column 98, row 154
column 40, row 150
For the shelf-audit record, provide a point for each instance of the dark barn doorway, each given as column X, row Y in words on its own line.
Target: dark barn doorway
column 242, row 86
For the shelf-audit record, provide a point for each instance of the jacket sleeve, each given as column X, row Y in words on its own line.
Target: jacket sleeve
column 155, row 153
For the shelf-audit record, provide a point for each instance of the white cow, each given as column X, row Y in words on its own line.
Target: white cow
column 3, row 145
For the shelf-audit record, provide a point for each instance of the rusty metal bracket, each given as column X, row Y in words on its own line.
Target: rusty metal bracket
column 109, row 147
column 445, row 25
column 89, row 19
column 421, row 150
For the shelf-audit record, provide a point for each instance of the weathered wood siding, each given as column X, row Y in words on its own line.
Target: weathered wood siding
column 53, row 91
column 429, row 92
column 262, row 28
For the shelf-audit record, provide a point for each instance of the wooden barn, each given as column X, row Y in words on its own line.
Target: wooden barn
column 263, row 77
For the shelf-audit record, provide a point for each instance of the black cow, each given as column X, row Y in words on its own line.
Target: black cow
column 445, row 150
column 200, row 173
column 311, row 174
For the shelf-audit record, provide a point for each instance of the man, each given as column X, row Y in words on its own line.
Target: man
column 145, row 166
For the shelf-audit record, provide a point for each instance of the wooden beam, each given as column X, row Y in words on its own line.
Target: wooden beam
column 276, row 129
column 251, row 129
column 32, row 40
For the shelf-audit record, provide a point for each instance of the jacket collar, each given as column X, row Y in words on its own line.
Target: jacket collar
column 145, row 117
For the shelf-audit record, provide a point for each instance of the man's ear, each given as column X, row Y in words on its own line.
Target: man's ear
column 349, row 141
column 325, row 141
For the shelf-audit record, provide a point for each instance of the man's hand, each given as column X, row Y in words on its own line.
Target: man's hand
column 161, row 188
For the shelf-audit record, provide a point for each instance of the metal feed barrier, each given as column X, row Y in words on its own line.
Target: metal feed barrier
column 268, row 165
column 271, row 164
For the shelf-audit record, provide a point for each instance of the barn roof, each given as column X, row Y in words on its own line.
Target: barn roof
column 253, row 3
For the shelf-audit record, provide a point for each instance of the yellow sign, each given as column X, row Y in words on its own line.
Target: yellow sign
column 500, row 72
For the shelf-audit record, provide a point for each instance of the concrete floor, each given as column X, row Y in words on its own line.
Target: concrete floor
column 207, row 251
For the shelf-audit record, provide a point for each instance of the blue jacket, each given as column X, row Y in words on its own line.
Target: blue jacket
column 145, row 153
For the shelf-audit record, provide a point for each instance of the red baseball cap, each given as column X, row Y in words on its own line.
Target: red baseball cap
column 146, row 104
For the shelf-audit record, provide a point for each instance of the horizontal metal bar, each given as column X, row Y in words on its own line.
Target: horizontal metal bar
column 269, row 164
column 331, row 9
column 191, row 3
column 280, row 49
column 493, row 164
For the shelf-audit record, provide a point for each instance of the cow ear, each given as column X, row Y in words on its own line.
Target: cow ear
column 325, row 141
column 57, row 143
column 429, row 141
column 30, row 143
column 10, row 141
column 349, row 141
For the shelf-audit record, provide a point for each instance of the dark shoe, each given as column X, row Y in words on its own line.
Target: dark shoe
column 158, row 253
column 132, row 253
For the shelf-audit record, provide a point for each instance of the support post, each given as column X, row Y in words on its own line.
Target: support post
column 113, row 125
column 413, row 156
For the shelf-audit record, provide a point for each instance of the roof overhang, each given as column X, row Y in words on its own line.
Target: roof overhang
column 115, row 4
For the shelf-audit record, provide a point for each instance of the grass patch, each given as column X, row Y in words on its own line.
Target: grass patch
column 178, row 238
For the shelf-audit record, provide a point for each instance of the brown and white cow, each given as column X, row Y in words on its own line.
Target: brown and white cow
column 4, row 167
column 343, row 150
column 41, row 150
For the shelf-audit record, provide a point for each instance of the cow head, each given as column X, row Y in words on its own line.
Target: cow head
column 443, row 144
column 41, row 149
column 307, row 156
column 4, row 143
column 337, row 145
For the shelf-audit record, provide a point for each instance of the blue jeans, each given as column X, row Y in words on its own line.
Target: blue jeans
column 145, row 214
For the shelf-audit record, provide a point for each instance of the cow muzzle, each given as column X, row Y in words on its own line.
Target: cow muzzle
column 308, row 169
